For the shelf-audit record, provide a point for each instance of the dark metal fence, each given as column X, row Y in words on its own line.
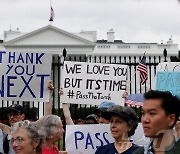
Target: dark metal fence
column 134, row 86
column 33, row 109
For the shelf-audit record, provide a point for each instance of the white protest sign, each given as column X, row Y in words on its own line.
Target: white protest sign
column 139, row 138
column 24, row 76
column 93, row 83
column 168, row 77
column 83, row 139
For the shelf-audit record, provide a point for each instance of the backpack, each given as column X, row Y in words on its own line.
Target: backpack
column 5, row 143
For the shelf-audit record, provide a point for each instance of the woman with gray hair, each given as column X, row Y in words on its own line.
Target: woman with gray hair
column 53, row 127
column 27, row 138
column 123, row 123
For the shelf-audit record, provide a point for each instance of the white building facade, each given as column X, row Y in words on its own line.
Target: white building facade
column 84, row 46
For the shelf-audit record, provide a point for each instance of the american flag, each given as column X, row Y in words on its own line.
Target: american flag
column 135, row 99
column 142, row 68
column 52, row 14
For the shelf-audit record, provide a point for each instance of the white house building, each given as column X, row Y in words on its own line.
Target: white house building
column 52, row 40
column 84, row 46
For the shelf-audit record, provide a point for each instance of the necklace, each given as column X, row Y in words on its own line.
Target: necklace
column 122, row 146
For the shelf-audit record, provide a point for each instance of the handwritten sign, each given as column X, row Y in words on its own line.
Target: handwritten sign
column 24, row 76
column 168, row 77
column 83, row 139
column 92, row 83
column 87, row 138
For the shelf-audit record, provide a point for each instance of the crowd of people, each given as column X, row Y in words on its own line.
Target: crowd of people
column 160, row 121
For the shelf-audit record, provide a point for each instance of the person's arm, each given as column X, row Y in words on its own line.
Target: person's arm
column 48, row 105
column 66, row 111
column 125, row 95
column 5, row 128
column 39, row 121
column 67, row 114
column 63, row 152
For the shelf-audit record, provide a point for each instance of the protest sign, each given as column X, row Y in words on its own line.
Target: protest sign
column 168, row 77
column 87, row 138
column 83, row 139
column 139, row 138
column 24, row 76
column 93, row 83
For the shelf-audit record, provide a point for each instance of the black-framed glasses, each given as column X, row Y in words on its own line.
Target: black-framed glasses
column 18, row 140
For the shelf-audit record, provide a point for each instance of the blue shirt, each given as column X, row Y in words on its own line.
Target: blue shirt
column 110, row 149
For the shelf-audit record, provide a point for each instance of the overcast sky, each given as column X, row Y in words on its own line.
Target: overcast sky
column 132, row 20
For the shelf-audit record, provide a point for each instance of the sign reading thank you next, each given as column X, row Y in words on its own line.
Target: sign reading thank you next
column 24, row 76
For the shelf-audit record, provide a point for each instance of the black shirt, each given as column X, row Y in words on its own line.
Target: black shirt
column 110, row 149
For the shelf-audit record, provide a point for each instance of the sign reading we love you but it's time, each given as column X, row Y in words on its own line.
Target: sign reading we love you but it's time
column 24, row 76
column 93, row 83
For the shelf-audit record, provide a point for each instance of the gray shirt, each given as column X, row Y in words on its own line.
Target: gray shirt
column 11, row 151
column 1, row 141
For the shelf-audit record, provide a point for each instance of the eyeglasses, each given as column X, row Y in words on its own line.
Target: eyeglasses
column 18, row 140
column 13, row 114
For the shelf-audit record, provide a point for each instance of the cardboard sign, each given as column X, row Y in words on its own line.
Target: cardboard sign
column 168, row 77
column 87, row 138
column 24, row 76
column 93, row 83
column 84, row 139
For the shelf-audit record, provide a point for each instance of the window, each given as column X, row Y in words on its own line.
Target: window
column 123, row 46
column 143, row 46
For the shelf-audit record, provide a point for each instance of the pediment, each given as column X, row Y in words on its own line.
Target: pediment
column 48, row 35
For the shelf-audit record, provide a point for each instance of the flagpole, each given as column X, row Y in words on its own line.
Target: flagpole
column 50, row 11
column 144, row 53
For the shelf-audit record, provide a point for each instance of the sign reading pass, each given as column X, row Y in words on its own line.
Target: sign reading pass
column 168, row 77
column 169, row 81
column 85, row 139
column 92, row 83
column 24, row 76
